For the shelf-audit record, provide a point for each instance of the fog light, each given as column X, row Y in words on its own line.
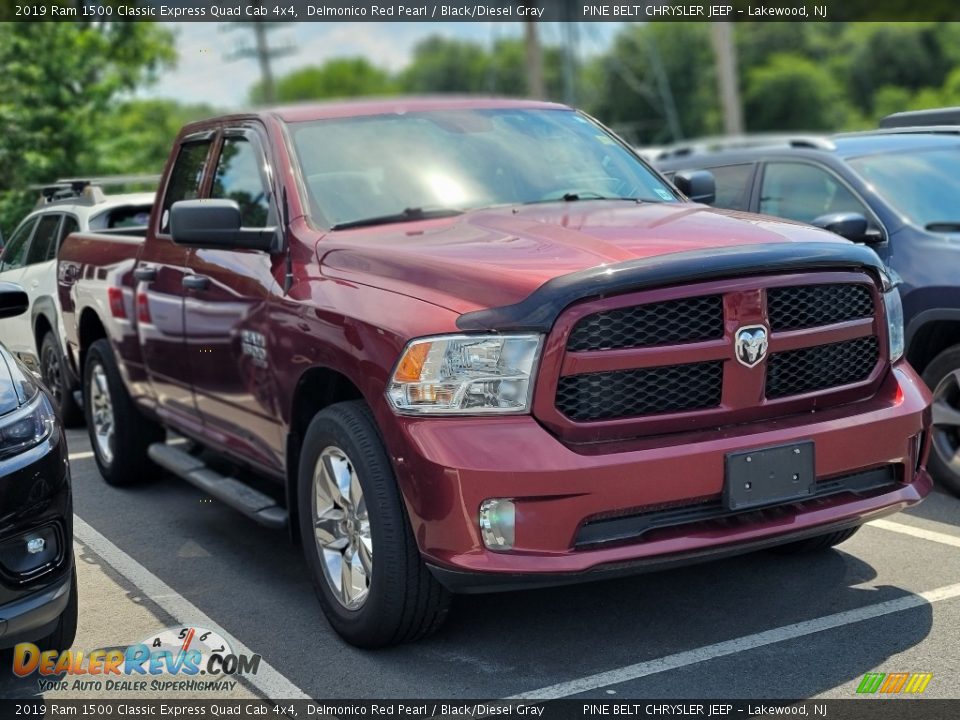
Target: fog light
column 36, row 545
column 31, row 553
column 497, row 520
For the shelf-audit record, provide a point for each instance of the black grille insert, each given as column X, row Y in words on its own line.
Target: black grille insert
column 647, row 391
column 673, row 321
column 804, row 306
column 820, row 367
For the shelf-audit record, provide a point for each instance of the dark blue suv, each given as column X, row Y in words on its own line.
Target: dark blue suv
column 896, row 189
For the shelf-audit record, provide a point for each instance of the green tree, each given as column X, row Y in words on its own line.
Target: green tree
column 446, row 65
column 791, row 92
column 136, row 135
column 627, row 93
column 58, row 80
column 337, row 78
column 906, row 55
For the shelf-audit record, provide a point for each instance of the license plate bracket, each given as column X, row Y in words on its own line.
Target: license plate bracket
column 768, row 476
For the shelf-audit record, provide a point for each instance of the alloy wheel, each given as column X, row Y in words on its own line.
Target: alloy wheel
column 946, row 420
column 101, row 411
column 341, row 527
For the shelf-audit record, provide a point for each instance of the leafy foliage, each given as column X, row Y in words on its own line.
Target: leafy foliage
column 59, row 80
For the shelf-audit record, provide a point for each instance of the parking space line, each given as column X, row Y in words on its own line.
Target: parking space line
column 80, row 455
column 268, row 681
column 737, row 645
column 931, row 535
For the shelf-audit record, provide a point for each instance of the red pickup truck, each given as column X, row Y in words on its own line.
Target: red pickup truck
column 479, row 345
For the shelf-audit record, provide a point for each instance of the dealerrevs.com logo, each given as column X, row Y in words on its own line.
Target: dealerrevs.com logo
column 177, row 659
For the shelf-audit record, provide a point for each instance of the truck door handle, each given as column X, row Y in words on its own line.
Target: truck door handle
column 145, row 274
column 195, row 282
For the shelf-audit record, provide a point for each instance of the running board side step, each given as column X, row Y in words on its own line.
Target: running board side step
column 260, row 508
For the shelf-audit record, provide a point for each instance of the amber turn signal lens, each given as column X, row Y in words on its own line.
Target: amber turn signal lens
column 411, row 364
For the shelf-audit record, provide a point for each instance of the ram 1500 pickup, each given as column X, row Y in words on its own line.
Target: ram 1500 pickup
column 480, row 345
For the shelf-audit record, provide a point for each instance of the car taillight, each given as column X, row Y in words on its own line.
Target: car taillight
column 143, row 308
column 117, row 308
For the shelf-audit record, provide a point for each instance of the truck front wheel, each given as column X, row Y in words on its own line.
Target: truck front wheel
column 119, row 433
column 367, row 571
column 942, row 376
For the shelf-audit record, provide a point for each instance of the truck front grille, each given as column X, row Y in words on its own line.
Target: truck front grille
column 675, row 388
column 662, row 323
column 639, row 364
column 824, row 366
column 804, row 306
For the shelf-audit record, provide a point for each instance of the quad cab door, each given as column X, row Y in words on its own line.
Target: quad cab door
column 226, row 318
column 158, row 282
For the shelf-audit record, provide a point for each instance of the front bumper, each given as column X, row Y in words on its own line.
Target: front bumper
column 34, row 616
column 447, row 466
column 35, row 497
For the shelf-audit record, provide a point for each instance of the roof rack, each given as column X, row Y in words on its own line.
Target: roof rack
column 908, row 130
column 915, row 118
column 740, row 142
column 87, row 191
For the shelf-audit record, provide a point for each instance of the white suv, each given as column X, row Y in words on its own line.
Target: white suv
column 29, row 259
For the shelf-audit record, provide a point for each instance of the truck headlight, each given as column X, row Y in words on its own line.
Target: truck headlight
column 894, row 311
column 27, row 426
column 465, row 374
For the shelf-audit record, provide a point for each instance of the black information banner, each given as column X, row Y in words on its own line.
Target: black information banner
column 853, row 709
column 483, row 11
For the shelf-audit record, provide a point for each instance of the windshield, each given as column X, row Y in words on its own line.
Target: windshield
column 407, row 166
column 923, row 185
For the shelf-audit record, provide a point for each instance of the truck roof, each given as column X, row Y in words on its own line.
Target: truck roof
column 380, row 106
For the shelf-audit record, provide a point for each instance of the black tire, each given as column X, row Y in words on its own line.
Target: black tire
column 942, row 376
column 404, row 601
column 65, row 633
column 56, row 376
column 816, row 544
column 133, row 433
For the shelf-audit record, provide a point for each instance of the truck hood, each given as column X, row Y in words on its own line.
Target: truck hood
column 496, row 257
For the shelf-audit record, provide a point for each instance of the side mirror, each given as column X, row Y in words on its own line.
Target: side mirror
column 698, row 185
column 217, row 224
column 849, row 225
column 13, row 300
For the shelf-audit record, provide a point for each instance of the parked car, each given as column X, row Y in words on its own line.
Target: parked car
column 38, row 585
column 479, row 345
column 29, row 260
column 896, row 190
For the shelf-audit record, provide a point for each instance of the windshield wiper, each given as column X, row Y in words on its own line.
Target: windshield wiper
column 587, row 195
column 407, row 215
column 943, row 226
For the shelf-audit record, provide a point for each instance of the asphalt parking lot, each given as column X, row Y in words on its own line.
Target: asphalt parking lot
column 757, row 626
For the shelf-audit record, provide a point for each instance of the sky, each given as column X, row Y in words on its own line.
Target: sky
column 204, row 74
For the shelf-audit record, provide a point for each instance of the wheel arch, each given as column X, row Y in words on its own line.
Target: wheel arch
column 44, row 319
column 90, row 328
column 930, row 333
column 317, row 388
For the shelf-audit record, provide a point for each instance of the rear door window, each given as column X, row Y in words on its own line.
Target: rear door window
column 15, row 252
column 70, row 225
column 185, row 178
column 44, row 243
column 803, row 192
column 734, row 183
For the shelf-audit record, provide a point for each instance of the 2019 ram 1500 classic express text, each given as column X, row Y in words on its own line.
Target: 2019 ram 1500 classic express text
column 480, row 345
